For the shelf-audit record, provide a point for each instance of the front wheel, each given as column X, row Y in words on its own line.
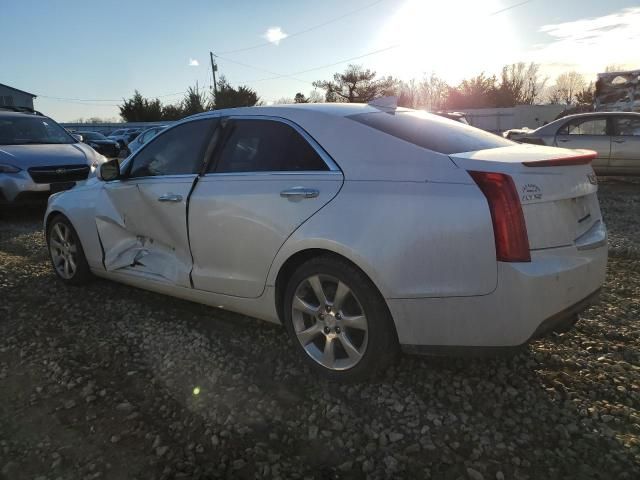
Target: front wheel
column 338, row 320
column 66, row 253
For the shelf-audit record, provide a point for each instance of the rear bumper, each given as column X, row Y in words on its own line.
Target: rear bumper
column 560, row 322
column 530, row 299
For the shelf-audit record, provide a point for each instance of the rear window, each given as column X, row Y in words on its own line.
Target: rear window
column 432, row 132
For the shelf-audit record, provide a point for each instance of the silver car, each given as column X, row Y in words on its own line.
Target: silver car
column 144, row 137
column 615, row 136
column 361, row 229
column 39, row 157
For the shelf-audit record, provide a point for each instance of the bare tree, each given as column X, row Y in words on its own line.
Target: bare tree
column 614, row 67
column 520, row 84
column 315, row 97
column 356, row 85
column 586, row 96
column 566, row 88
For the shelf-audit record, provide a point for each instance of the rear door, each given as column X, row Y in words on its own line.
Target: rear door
column 263, row 183
column 142, row 218
column 588, row 133
column 625, row 145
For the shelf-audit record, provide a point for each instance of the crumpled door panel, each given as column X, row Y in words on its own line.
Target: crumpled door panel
column 141, row 235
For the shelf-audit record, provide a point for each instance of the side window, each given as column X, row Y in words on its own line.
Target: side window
column 628, row 126
column 266, row 146
column 178, row 151
column 596, row 126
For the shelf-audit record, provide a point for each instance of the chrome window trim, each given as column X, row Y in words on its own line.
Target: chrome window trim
column 328, row 161
column 273, row 173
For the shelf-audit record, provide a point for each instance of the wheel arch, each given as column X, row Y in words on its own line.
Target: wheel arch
column 297, row 258
column 50, row 215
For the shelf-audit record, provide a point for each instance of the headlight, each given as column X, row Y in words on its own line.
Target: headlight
column 5, row 168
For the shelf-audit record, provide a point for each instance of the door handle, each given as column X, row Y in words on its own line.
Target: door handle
column 170, row 197
column 563, row 140
column 619, row 141
column 299, row 192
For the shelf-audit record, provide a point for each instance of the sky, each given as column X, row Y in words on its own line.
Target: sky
column 83, row 57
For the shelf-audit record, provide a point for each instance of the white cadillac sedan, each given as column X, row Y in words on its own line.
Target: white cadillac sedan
column 363, row 229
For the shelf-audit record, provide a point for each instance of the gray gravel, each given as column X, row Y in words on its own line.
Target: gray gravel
column 106, row 381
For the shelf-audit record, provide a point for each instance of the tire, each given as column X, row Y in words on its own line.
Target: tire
column 349, row 343
column 66, row 253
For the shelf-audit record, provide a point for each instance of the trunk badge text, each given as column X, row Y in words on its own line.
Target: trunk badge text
column 531, row 191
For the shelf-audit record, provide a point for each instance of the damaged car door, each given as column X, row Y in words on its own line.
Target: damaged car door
column 142, row 217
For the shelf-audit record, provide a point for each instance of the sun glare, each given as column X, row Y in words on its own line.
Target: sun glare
column 454, row 40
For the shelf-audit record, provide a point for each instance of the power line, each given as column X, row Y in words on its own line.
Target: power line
column 358, row 57
column 276, row 75
column 368, row 54
column 510, row 7
column 306, row 30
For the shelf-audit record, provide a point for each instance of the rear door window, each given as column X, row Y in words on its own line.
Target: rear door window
column 266, row 146
column 581, row 126
column 627, row 126
column 431, row 131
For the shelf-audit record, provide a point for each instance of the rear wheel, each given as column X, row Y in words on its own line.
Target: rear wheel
column 66, row 253
column 338, row 320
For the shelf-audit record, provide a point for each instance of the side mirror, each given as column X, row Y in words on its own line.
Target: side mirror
column 109, row 170
column 78, row 137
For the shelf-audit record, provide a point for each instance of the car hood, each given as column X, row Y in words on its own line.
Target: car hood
column 24, row 156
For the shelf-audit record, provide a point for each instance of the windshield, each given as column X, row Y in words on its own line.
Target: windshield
column 92, row 136
column 32, row 130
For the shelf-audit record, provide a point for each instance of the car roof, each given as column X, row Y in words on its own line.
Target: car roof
column 10, row 114
column 333, row 109
column 598, row 114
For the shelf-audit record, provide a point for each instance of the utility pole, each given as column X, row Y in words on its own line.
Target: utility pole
column 214, row 67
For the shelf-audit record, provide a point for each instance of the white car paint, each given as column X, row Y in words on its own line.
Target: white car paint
column 412, row 219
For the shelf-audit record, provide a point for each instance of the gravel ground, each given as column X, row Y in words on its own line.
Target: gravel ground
column 107, row 381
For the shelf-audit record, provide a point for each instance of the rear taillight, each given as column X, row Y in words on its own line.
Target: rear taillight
column 509, row 229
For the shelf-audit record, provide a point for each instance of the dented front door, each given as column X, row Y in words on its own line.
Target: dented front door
column 142, row 218
column 142, row 225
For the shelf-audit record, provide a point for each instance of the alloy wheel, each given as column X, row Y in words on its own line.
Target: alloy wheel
column 64, row 251
column 329, row 322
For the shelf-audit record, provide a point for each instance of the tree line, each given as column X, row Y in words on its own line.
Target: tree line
column 517, row 84
column 196, row 100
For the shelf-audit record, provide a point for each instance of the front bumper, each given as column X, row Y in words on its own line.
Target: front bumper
column 18, row 189
column 528, row 299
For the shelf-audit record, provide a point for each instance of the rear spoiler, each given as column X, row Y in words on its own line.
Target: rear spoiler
column 583, row 158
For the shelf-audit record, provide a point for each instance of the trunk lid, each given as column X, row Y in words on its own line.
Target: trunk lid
column 557, row 189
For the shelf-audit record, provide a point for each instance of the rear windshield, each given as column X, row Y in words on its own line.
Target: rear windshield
column 430, row 131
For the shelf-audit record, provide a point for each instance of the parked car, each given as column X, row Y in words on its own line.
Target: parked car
column 101, row 144
column 144, row 137
column 39, row 157
column 124, row 135
column 457, row 116
column 615, row 136
column 363, row 230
